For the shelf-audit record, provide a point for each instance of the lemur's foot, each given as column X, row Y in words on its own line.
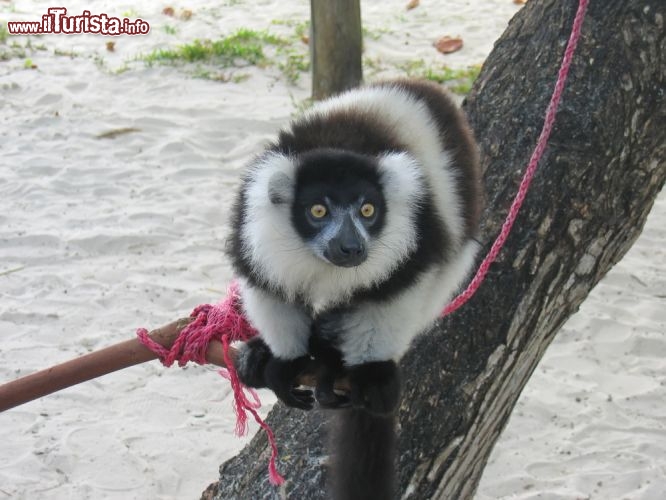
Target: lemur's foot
column 375, row 387
column 258, row 368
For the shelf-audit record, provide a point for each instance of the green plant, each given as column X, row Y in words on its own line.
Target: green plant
column 65, row 53
column 29, row 45
column 458, row 80
column 293, row 56
column 244, row 44
column 294, row 64
column 302, row 29
column 300, row 106
column 4, row 32
column 99, row 61
column 375, row 33
column 11, row 49
column 121, row 69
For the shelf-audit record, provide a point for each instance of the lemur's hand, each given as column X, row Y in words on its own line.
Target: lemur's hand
column 258, row 368
column 375, row 387
column 281, row 375
column 328, row 361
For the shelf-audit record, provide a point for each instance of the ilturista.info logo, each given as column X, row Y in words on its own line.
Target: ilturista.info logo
column 56, row 21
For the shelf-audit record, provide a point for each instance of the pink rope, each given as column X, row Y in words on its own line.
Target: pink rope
column 551, row 111
column 226, row 323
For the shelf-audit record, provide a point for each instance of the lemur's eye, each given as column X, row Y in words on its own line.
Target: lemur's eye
column 318, row 211
column 367, row 210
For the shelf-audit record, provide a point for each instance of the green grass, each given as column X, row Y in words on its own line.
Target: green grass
column 300, row 106
column 15, row 47
column 234, row 77
column 65, row 53
column 244, row 44
column 289, row 54
column 30, row 46
column 294, row 63
column 302, row 29
column 458, row 80
column 169, row 30
column 375, row 33
column 4, row 32
column 294, row 57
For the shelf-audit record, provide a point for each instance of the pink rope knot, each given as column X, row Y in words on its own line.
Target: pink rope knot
column 226, row 323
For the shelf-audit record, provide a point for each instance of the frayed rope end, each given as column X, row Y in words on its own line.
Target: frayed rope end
column 224, row 322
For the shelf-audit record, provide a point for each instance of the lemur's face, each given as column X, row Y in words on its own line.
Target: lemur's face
column 338, row 208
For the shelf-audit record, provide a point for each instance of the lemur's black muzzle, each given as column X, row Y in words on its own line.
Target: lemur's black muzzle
column 347, row 248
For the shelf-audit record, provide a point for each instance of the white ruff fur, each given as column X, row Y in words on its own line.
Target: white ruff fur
column 278, row 253
column 283, row 326
column 376, row 331
column 383, row 331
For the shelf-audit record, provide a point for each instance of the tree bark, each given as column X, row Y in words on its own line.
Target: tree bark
column 335, row 46
column 588, row 202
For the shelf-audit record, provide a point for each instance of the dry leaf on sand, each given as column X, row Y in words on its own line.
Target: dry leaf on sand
column 448, row 44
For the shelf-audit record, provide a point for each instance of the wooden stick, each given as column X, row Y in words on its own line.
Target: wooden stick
column 98, row 363
column 108, row 360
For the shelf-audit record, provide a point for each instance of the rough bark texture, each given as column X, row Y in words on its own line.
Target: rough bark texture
column 335, row 46
column 596, row 184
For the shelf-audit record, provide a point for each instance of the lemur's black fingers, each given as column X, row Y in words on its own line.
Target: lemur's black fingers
column 333, row 401
column 325, row 391
column 302, row 398
column 253, row 356
column 296, row 398
column 281, row 377
column 375, row 387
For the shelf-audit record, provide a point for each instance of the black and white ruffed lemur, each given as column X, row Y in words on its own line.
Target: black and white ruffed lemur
column 349, row 235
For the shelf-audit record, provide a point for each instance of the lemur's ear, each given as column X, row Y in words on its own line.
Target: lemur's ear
column 280, row 189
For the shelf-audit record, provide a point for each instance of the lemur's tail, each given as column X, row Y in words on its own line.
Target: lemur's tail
column 363, row 467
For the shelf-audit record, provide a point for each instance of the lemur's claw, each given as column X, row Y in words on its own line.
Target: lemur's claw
column 375, row 387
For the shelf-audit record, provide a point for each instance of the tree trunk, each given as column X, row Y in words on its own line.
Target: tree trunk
column 335, row 46
column 589, row 200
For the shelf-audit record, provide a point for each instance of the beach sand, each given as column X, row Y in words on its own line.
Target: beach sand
column 99, row 236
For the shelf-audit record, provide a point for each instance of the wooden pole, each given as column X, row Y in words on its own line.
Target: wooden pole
column 98, row 363
column 335, row 46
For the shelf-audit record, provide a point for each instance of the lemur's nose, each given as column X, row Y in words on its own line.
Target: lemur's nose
column 352, row 248
column 347, row 248
column 347, row 253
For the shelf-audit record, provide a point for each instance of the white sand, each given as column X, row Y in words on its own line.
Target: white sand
column 100, row 236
